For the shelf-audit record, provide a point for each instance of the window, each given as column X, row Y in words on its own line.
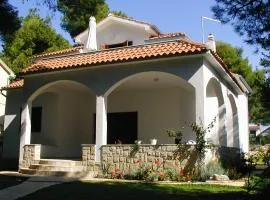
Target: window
column 36, row 119
column 116, row 45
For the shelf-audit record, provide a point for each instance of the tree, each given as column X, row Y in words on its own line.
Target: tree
column 76, row 14
column 34, row 37
column 9, row 21
column 250, row 18
column 233, row 58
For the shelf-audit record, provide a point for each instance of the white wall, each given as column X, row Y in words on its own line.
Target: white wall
column 158, row 110
column 236, row 121
column 67, row 122
column 242, row 105
column 4, row 80
column 118, row 33
column 216, row 101
column 12, row 123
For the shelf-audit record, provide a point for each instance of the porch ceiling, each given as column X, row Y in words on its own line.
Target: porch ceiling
column 152, row 81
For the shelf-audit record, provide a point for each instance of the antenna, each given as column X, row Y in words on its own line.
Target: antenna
column 210, row 19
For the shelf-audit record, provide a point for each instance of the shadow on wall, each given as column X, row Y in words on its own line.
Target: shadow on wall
column 9, row 164
column 188, row 157
column 230, row 157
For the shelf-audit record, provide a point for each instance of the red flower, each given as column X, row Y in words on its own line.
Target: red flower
column 187, row 177
column 139, row 161
column 182, row 172
column 157, row 162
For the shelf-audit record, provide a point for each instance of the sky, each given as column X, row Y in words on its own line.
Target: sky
column 168, row 15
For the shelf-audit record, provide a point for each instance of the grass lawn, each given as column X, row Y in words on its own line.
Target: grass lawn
column 7, row 181
column 138, row 191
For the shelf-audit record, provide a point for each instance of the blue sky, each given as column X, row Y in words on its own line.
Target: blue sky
column 169, row 16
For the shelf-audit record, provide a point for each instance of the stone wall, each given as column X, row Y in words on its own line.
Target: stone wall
column 31, row 152
column 169, row 156
column 88, row 154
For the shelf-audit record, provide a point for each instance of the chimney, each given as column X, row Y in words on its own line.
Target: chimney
column 211, row 43
column 91, row 44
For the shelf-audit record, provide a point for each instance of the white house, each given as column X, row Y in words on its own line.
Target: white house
column 125, row 80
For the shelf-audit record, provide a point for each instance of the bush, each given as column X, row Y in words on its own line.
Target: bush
column 146, row 171
column 257, row 184
column 234, row 174
column 212, row 167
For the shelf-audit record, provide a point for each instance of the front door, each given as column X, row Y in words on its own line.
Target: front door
column 122, row 127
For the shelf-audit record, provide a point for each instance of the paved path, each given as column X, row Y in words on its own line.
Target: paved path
column 30, row 186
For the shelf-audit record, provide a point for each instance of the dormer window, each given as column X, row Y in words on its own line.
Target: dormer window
column 117, row 45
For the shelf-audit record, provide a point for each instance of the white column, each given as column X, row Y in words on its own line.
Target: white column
column 25, row 128
column 242, row 104
column 101, row 125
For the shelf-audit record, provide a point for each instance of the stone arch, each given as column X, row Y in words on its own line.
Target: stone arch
column 162, row 100
column 233, row 128
column 45, row 87
column 128, row 77
column 215, row 109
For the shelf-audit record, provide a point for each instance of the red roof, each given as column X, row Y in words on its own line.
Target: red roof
column 117, row 55
column 14, row 84
column 72, row 59
column 75, row 49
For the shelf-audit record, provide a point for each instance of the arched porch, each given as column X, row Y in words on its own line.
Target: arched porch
column 60, row 117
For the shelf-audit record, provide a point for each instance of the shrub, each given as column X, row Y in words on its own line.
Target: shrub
column 234, row 174
column 211, row 168
column 257, row 184
column 266, row 157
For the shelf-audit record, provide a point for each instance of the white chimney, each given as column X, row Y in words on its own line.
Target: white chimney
column 211, row 43
column 91, row 44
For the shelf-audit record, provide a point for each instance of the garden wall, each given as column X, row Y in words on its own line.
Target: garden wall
column 167, row 156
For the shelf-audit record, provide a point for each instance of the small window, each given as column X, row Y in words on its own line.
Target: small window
column 36, row 119
column 116, row 45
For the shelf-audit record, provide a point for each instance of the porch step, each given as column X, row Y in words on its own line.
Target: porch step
column 56, row 167
column 67, row 174
column 63, row 168
column 58, row 162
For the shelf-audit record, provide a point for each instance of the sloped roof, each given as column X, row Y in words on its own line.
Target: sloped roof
column 14, row 84
column 75, row 49
column 117, row 55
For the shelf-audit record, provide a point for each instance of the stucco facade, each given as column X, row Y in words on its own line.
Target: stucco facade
column 165, row 93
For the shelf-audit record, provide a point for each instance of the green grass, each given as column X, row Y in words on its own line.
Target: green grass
column 138, row 191
column 8, row 181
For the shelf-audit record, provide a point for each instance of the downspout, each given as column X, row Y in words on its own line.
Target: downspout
column 2, row 92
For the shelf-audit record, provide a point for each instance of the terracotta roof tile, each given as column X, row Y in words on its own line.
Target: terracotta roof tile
column 14, row 84
column 60, row 52
column 125, row 54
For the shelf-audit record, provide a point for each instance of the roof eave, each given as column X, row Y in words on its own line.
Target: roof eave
column 224, row 69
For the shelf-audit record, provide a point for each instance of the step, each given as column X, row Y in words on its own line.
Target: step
column 58, row 162
column 69, row 174
column 56, row 167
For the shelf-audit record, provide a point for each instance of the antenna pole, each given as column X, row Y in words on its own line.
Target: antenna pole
column 210, row 19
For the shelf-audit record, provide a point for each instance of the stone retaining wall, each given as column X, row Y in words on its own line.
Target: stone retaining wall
column 169, row 156
column 88, row 154
column 30, row 154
